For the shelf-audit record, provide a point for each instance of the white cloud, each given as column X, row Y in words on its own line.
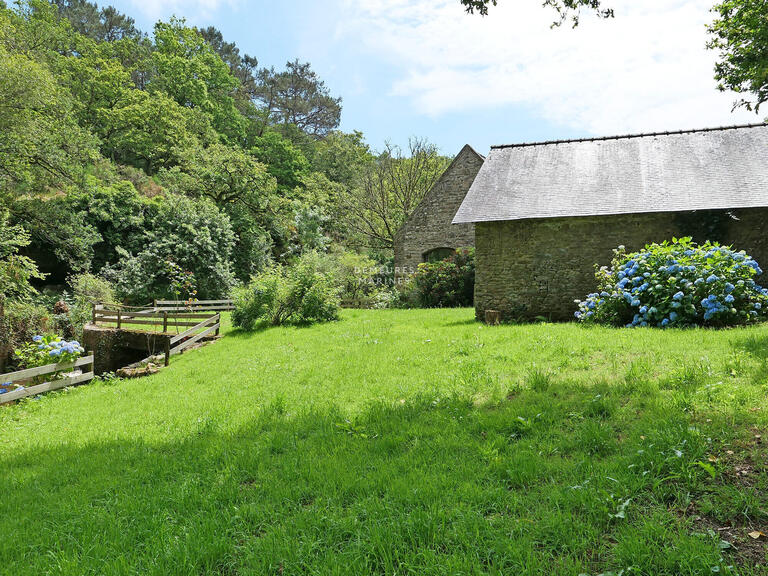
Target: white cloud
column 647, row 69
column 191, row 9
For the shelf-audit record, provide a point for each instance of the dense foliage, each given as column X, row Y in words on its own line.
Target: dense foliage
column 19, row 322
column 125, row 156
column 447, row 283
column 103, row 125
column 190, row 233
column 16, row 270
column 677, row 283
column 740, row 35
column 298, row 294
column 87, row 290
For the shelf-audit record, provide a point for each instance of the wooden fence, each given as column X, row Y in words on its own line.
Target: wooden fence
column 122, row 316
column 188, row 337
column 197, row 305
column 197, row 324
column 359, row 303
column 28, row 374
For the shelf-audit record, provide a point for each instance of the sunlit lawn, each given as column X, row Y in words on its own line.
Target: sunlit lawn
column 402, row 442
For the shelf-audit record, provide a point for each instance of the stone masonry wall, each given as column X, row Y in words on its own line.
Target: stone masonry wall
column 537, row 268
column 429, row 227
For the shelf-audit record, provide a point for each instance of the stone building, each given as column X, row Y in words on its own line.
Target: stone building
column 429, row 234
column 545, row 214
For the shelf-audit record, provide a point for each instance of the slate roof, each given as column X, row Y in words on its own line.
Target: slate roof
column 713, row 168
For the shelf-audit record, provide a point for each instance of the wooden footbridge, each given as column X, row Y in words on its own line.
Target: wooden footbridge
column 118, row 332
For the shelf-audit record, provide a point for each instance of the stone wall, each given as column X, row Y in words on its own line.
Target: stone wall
column 114, row 349
column 429, row 227
column 537, row 268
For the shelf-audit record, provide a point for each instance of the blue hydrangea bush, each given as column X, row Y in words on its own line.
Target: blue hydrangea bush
column 677, row 283
column 49, row 349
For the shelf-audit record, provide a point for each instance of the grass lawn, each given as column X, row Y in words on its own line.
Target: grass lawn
column 402, row 442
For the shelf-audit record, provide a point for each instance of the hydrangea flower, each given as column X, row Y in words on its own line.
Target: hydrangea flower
column 677, row 284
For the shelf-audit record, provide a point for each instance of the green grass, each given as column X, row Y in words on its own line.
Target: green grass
column 402, row 442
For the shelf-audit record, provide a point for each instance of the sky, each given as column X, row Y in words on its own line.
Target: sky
column 424, row 68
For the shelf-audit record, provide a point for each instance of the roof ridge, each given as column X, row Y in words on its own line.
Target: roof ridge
column 628, row 136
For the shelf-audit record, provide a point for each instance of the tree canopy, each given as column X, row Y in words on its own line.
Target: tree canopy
column 122, row 152
column 740, row 35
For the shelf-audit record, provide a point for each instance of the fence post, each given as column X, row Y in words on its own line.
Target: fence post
column 165, row 321
column 118, row 318
column 154, row 304
column 218, row 321
column 167, row 351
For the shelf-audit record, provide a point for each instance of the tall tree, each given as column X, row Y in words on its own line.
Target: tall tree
column 296, row 97
column 100, row 24
column 740, row 34
column 342, row 156
column 284, row 161
column 40, row 144
column 152, row 131
column 227, row 175
column 566, row 9
column 391, row 188
column 242, row 66
column 188, row 70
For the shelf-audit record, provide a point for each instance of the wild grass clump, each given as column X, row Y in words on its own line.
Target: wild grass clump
column 538, row 379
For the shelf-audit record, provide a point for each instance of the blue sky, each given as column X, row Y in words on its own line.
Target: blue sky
column 424, row 68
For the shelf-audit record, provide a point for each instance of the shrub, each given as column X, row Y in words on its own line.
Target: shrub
column 446, row 283
column 298, row 294
column 195, row 235
column 677, row 283
column 87, row 290
column 48, row 350
column 355, row 275
column 16, row 270
column 19, row 322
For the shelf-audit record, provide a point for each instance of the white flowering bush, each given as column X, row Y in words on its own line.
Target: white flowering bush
column 677, row 283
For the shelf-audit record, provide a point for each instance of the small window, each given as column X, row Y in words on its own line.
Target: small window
column 438, row 254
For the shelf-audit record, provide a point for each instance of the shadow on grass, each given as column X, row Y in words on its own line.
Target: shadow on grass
column 756, row 346
column 468, row 322
column 262, row 327
column 428, row 486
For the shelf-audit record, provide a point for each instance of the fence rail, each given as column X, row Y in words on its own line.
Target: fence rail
column 198, row 323
column 206, row 305
column 360, row 303
column 24, row 375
